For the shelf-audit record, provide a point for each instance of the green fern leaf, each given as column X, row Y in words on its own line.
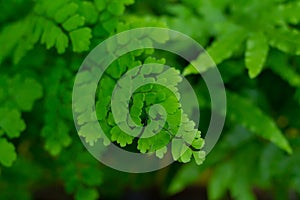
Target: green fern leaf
column 18, row 38
column 178, row 148
column 100, row 4
column 290, row 12
column 89, row 133
column 73, row 22
column 122, row 138
column 285, row 39
column 287, row 73
column 11, row 122
column 50, row 33
column 154, row 143
column 256, row 53
column 65, row 12
column 219, row 51
column 81, row 39
column 161, row 152
column 62, row 42
column 136, row 109
column 49, row 7
column 199, row 157
column 256, row 121
column 116, row 8
column 186, row 156
column 88, row 11
column 198, row 143
column 58, row 138
column 110, row 24
column 7, row 153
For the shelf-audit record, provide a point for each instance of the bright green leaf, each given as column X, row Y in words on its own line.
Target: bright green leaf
column 81, row 39
column 65, row 12
column 116, row 8
column 256, row 53
column 120, row 137
column 73, row 22
column 62, row 43
column 88, row 11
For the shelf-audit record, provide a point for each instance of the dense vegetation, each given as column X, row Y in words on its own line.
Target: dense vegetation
column 255, row 44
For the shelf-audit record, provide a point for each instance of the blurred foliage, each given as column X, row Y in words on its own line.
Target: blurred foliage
column 256, row 45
